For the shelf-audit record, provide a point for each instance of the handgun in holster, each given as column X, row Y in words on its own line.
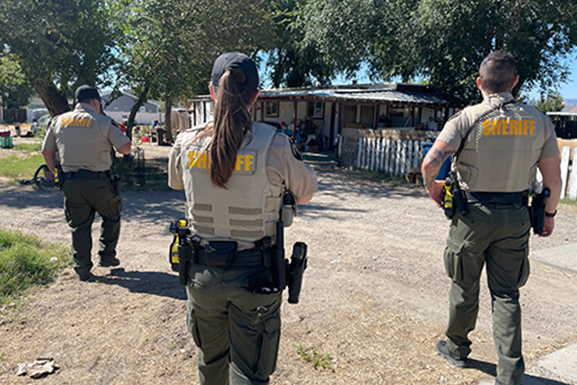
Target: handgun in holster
column 181, row 250
column 456, row 195
column 116, row 179
column 537, row 211
column 58, row 176
column 296, row 271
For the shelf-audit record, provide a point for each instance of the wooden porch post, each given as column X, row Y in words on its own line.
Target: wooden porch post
column 295, row 107
column 378, row 116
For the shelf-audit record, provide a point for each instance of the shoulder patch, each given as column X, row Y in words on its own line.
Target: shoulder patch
column 296, row 152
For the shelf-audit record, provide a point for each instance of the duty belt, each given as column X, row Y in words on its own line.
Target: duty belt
column 224, row 254
column 87, row 174
column 517, row 198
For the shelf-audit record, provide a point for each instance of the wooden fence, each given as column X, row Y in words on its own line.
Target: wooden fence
column 401, row 157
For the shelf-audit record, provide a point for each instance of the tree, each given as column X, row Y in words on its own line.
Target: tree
column 14, row 87
column 59, row 44
column 444, row 41
column 168, row 46
column 550, row 102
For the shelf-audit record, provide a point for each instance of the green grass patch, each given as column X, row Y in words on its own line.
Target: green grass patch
column 17, row 167
column 28, row 147
column 27, row 262
column 317, row 360
column 567, row 201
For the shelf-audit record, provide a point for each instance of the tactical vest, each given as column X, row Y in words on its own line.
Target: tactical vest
column 248, row 209
column 80, row 141
column 503, row 150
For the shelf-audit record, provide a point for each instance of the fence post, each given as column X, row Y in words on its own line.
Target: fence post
column 398, row 157
column 387, row 154
column 360, row 152
column 573, row 179
column 564, row 169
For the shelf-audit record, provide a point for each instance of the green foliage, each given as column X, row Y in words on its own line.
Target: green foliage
column 317, row 360
column 14, row 87
column 16, row 167
column 59, row 44
column 28, row 147
column 26, row 261
column 444, row 41
column 550, row 102
column 567, row 201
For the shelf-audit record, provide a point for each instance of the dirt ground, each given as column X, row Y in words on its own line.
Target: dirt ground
column 375, row 295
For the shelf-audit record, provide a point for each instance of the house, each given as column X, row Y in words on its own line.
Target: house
column 333, row 114
column 119, row 108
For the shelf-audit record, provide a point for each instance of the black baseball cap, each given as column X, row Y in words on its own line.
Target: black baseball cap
column 86, row 92
column 236, row 60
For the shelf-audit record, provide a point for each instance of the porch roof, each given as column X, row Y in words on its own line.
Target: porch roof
column 386, row 93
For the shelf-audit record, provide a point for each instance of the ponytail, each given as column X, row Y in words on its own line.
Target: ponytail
column 232, row 122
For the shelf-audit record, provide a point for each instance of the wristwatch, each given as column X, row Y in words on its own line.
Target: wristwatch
column 550, row 215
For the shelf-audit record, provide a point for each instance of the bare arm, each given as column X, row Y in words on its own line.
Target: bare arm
column 551, row 171
column 125, row 149
column 431, row 166
column 50, row 159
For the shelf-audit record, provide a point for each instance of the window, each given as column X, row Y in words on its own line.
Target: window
column 142, row 109
column 316, row 110
column 271, row 109
column 368, row 116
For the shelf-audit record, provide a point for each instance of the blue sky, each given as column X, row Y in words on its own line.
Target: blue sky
column 568, row 90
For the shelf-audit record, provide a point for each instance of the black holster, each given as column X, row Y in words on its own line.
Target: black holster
column 537, row 211
column 459, row 197
column 185, row 256
column 116, row 179
column 278, row 266
column 296, row 271
column 58, row 176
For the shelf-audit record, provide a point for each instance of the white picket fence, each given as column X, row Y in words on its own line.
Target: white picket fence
column 391, row 156
column 396, row 157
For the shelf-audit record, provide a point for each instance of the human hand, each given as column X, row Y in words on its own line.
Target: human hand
column 48, row 175
column 435, row 191
column 548, row 227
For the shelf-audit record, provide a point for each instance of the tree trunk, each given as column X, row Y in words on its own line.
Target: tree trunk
column 55, row 101
column 135, row 108
column 168, row 120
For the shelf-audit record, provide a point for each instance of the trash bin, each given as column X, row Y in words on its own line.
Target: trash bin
column 445, row 167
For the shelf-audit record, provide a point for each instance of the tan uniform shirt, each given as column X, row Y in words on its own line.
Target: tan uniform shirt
column 502, row 152
column 282, row 166
column 84, row 139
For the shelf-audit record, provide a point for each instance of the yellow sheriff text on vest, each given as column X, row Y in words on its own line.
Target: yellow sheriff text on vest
column 200, row 160
column 525, row 127
column 78, row 122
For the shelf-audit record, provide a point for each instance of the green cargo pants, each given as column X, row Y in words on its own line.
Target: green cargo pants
column 82, row 199
column 236, row 330
column 498, row 236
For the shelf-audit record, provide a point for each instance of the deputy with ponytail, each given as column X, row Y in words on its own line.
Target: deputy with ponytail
column 234, row 172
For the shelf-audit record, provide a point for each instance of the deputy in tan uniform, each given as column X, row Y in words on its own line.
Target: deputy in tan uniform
column 83, row 139
column 234, row 172
column 503, row 143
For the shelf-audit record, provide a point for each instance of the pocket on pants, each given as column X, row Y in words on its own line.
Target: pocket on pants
column 453, row 262
column 523, row 273
column 193, row 327
column 270, row 339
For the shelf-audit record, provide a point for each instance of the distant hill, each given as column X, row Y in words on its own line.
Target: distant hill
column 570, row 102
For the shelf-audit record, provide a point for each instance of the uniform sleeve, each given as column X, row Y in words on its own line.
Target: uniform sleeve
column 116, row 136
column 283, row 167
column 550, row 147
column 49, row 142
column 174, row 166
column 455, row 130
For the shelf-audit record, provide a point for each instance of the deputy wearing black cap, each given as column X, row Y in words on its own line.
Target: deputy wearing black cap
column 234, row 172
column 84, row 139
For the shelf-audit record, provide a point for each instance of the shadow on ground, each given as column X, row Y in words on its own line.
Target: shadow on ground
column 491, row 369
column 146, row 282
